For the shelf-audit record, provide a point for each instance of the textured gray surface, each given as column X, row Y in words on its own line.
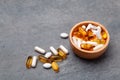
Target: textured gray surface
column 27, row 23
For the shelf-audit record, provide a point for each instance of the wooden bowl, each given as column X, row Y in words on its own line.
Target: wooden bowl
column 85, row 53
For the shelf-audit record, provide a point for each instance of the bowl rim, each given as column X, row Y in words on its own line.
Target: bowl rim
column 92, row 22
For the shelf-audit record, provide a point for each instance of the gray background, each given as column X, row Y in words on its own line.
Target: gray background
column 27, row 23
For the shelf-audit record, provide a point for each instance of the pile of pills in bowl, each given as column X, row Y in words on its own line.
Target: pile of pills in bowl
column 50, row 58
column 89, row 37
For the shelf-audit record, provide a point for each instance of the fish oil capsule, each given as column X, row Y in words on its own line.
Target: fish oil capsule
column 98, row 47
column 48, row 54
column 43, row 59
column 86, row 46
column 47, row 65
column 81, row 30
column 55, row 67
column 62, row 54
column 53, row 50
column 34, row 61
column 56, row 58
column 102, row 41
column 64, row 35
column 104, row 35
column 29, row 62
column 64, row 49
column 40, row 50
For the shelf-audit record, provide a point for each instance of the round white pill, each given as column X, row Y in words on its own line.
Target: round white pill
column 64, row 35
column 48, row 54
column 47, row 65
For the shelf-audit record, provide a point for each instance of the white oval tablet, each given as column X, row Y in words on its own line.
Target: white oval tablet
column 47, row 65
column 64, row 49
column 64, row 35
column 98, row 47
column 48, row 54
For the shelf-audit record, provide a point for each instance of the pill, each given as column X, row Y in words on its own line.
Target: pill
column 40, row 50
column 83, row 26
column 48, row 54
column 97, row 32
column 104, row 35
column 86, row 46
column 62, row 54
column 34, row 61
column 53, row 50
column 82, row 31
column 98, row 47
column 29, row 62
column 55, row 67
column 79, row 41
column 64, row 35
column 56, row 58
column 90, row 42
column 74, row 40
column 64, row 49
column 90, row 26
column 43, row 59
column 47, row 65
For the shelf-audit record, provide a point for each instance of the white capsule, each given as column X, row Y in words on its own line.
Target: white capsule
column 97, row 32
column 53, row 50
column 79, row 41
column 48, row 54
column 64, row 35
column 47, row 65
column 64, row 49
column 74, row 40
column 34, row 61
column 83, row 26
column 90, row 42
column 40, row 50
column 90, row 26
column 98, row 47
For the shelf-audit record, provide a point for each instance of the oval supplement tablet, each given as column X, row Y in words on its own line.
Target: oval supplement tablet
column 53, row 50
column 48, row 54
column 55, row 67
column 47, row 65
column 63, row 49
column 64, row 35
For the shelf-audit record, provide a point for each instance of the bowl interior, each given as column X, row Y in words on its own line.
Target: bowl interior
column 86, row 23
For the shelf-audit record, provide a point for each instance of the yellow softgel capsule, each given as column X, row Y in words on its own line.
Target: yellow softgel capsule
column 55, row 67
column 102, row 41
column 29, row 62
column 43, row 59
column 56, row 58
column 62, row 54
column 86, row 46
column 82, row 31
column 104, row 35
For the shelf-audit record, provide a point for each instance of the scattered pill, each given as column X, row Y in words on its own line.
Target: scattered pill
column 56, row 58
column 34, row 61
column 98, row 47
column 62, row 54
column 55, row 67
column 53, row 50
column 48, row 54
column 64, row 49
column 43, row 59
column 47, row 65
column 64, row 35
column 40, row 50
column 29, row 62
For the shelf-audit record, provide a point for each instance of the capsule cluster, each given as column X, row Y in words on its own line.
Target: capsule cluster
column 49, row 59
column 89, row 37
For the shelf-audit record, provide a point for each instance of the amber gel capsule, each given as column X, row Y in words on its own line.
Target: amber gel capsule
column 55, row 67
column 29, row 62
